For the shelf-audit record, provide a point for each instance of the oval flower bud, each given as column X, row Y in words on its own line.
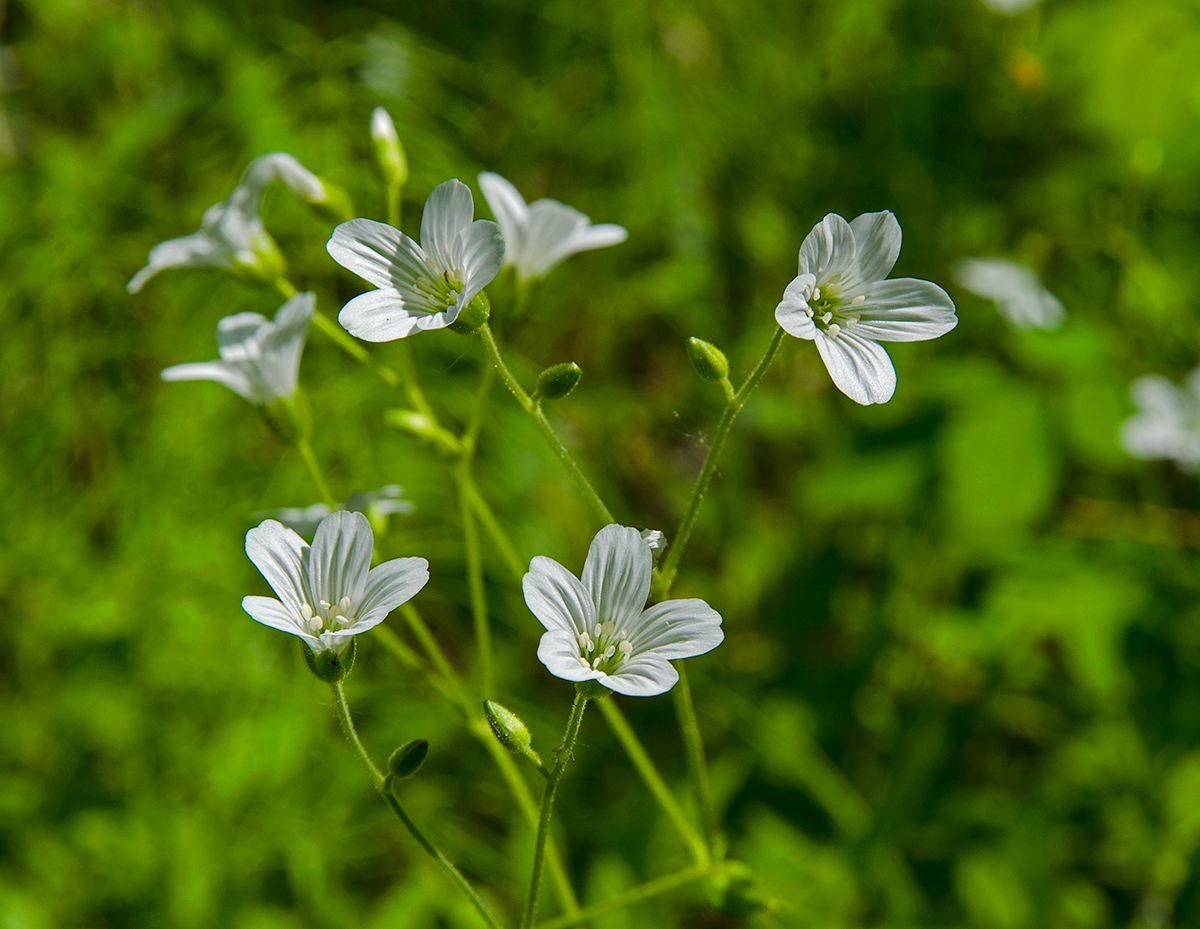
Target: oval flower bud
column 407, row 759
column 508, row 727
column 708, row 360
column 389, row 153
column 557, row 381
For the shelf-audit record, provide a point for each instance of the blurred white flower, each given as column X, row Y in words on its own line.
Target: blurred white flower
column 328, row 592
column 1016, row 290
column 376, row 505
column 598, row 629
column 1010, row 7
column 421, row 286
column 540, row 235
column 260, row 358
column 841, row 301
column 231, row 234
column 1167, row 422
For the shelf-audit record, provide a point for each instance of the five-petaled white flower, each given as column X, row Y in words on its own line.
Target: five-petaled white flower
column 841, row 300
column 598, row 629
column 421, row 286
column 1167, row 422
column 231, row 234
column 540, row 235
column 260, row 358
column 328, row 592
column 1016, row 290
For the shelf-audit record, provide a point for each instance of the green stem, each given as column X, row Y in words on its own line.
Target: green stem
column 634, row 895
column 693, row 744
column 534, row 409
column 562, row 757
column 653, row 780
column 393, row 204
column 314, row 469
column 492, row 525
column 343, row 716
column 479, row 609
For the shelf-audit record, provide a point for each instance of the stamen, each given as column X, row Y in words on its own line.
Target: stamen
column 344, row 605
column 340, row 621
column 857, row 300
column 325, row 604
column 826, row 317
column 816, row 293
column 833, row 330
column 626, row 648
column 306, row 611
column 808, row 312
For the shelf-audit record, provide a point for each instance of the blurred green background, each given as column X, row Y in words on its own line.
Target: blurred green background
column 961, row 679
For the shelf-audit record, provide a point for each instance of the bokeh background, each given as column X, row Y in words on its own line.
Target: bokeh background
column 961, row 679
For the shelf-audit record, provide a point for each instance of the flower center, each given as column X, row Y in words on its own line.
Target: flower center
column 441, row 289
column 828, row 310
column 605, row 648
column 327, row 617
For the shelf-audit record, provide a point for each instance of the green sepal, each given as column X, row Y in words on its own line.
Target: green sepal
column 591, row 689
column 407, row 759
column 557, row 381
column 473, row 315
column 328, row 665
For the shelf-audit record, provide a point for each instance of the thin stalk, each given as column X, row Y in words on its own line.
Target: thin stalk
column 432, row 650
column 314, row 469
column 343, row 716
column 562, row 757
column 492, row 526
column 654, row 781
column 393, row 204
column 693, row 744
column 479, row 609
column 634, row 895
column 534, row 409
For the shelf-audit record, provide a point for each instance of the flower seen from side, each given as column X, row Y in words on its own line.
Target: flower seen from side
column 260, row 358
column 376, row 505
column 1015, row 289
column 327, row 593
column 539, row 235
column 841, row 301
column 420, row 286
column 1166, row 425
column 597, row 627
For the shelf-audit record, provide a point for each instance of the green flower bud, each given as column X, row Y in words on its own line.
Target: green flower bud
column 389, row 153
column 557, row 381
column 407, row 759
column 473, row 315
column 329, row 666
column 423, row 427
column 508, row 727
column 708, row 360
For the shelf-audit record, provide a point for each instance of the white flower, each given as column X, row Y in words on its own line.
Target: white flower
column 540, row 235
column 421, row 286
column 328, row 592
column 231, row 234
column 1016, row 290
column 1010, row 7
column 598, row 629
column 1167, row 422
column 374, row 504
column 260, row 358
column 841, row 300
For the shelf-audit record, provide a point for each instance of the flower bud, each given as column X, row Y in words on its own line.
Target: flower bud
column 335, row 205
column 473, row 315
column 708, row 360
column 508, row 728
column 407, row 759
column 421, row 426
column 557, row 381
column 389, row 153
column 328, row 665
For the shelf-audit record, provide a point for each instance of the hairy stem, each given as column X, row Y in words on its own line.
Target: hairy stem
column 694, row 747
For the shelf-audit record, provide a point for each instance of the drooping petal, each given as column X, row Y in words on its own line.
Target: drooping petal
column 283, row 344
column 392, row 583
column 190, row 251
column 860, row 368
column 642, row 676
column 297, row 178
column 678, row 629
column 232, row 376
column 369, row 249
column 508, row 206
column 279, row 554
column 270, row 612
column 336, row 641
column 793, row 310
column 559, row 652
column 904, row 309
column 557, row 598
column 479, row 254
column 828, row 251
column 616, row 574
column 877, row 239
column 599, row 235
column 448, row 209
column 378, row 316
column 340, row 557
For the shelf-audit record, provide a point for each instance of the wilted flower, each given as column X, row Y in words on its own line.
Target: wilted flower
column 260, row 358
column 328, row 592
column 598, row 630
column 1017, row 291
column 841, row 300
column 540, row 235
column 1167, row 422
column 231, row 233
column 421, row 286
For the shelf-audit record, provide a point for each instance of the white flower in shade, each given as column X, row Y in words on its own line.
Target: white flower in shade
column 1016, row 290
column 231, row 234
column 540, row 235
column 328, row 592
column 421, row 286
column 1167, row 422
column 598, row 629
column 260, row 358
column 841, row 301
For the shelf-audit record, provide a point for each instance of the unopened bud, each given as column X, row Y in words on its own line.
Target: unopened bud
column 389, row 153
column 407, row 759
column 330, row 666
column 708, row 360
column 508, row 727
column 473, row 315
column 557, row 381
column 335, row 205
column 423, row 427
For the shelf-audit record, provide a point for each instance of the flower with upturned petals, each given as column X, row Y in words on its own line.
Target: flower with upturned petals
column 231, row 234
column 328, row 592
column 421, row 286
column 841, row 301
column 540, row 235
column 1015, row 289
column 260, row 358
column 598, row 630
column 1167, row 422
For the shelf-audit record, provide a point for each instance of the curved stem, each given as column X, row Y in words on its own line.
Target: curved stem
column 314, row 469
column 343, row 716
column 562, row 757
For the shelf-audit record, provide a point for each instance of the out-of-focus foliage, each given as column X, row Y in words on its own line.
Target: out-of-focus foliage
column 961, row 680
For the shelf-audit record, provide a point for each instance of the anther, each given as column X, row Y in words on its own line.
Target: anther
column 826, row 317
column 857, row 300
column 816, row 293
column 833, row 330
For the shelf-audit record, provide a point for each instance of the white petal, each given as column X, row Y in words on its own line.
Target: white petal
column 876, row 243
column 860, row 368
column 548, row 234
column 379, row 316
column 678, row 629
column 340, row 557
column 600, row 235
column 448, row 209
column 828, row 251
column 278, row 553
column 283, row 344
column 392, row 583
column 270, row 612
column 369, row 249
column 508, row 206
column 555, row 596
column 616, row 574
column 479, row 254
column 792, row 312
column 336, row 641
column 1016, row 290
column 642, row 676
column 230, row 375
column 297, row 178
column 559, row 652
column 382, row 127
column 236, row 329
column 903, row 310
column 190, row 251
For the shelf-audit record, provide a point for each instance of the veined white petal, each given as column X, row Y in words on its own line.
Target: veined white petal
column 678, row 629
column 283, row 344
column 904, row 309
column 278, row 553
column 508, row 206
column 558, row 650
column 448, row 209
column 616, row 574
column 549, row 229
column 340, row 557
column 370, row 250
column 877, row 239
column 479, row 254
column 828, row 252
column 557, row 598
column 793, row 310
column 860, row 368
column 232, row 376
column 270, row 612
column 642, row 676
column 234, row 331
column 336, row 641
column 379, row 316
column 190, row 251
column 297, row 178
column 392, row 583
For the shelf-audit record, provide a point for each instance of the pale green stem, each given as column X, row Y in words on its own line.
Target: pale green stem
column 534, row 409
column 561, row 758
column 393, row 204
column 694, row 746
column 499, row 538
column 653, row 780
column 634, row 895
column 479, row 609
column 314, row 469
